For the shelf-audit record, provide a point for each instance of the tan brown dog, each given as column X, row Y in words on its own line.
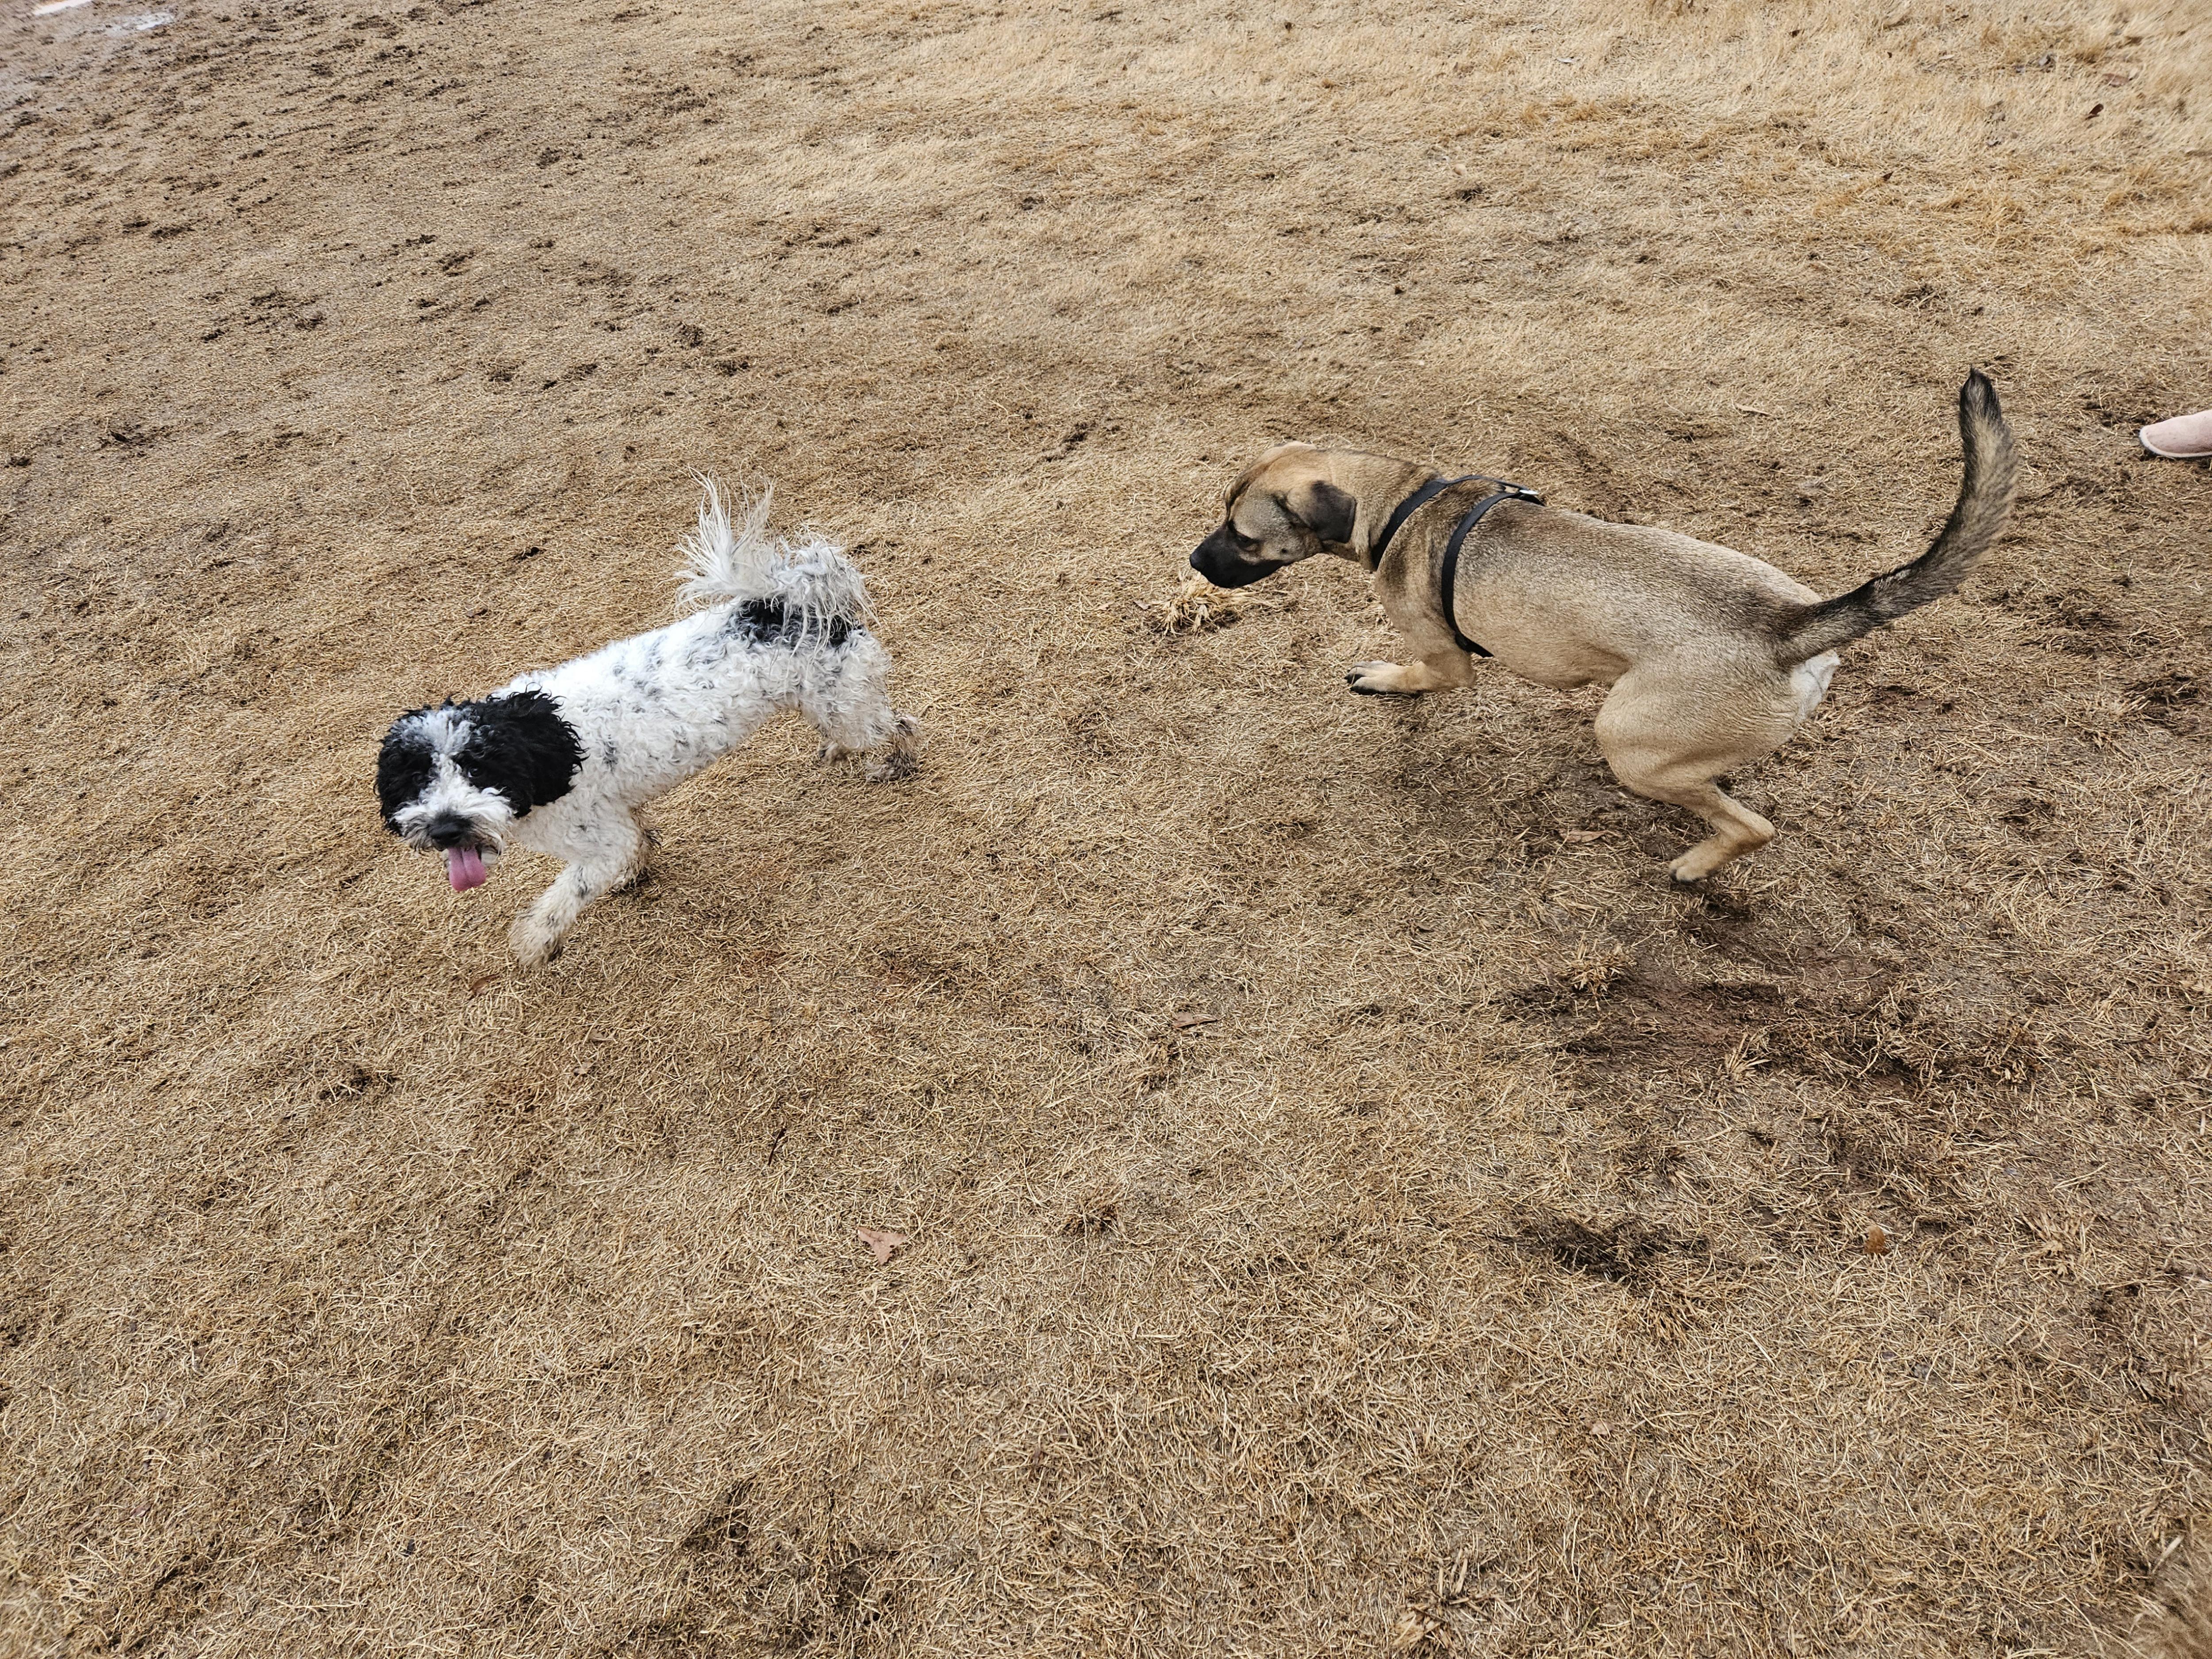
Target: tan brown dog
column 1714, row 657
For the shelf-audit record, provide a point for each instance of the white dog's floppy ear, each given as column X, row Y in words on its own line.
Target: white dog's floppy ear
column 1323, row 508
column 520, row 747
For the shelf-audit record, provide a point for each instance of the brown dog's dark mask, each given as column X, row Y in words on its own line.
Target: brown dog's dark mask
column 1278, row 528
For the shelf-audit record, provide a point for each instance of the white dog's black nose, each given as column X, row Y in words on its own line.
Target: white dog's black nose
column 449, row 829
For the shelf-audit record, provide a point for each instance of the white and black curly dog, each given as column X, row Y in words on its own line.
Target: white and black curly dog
column 557, row 761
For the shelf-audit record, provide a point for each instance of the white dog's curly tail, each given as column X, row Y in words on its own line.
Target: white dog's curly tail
column 733, row 557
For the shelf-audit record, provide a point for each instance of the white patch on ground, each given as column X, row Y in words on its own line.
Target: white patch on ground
column 54, row 6
column 144, row 21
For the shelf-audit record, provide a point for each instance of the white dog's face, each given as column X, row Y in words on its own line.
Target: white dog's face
column 455, row 779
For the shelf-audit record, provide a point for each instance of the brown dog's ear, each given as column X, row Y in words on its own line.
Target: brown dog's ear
column 1324, row 509
column 1243, row 482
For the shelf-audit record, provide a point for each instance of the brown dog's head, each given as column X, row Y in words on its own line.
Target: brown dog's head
column 1283, row 509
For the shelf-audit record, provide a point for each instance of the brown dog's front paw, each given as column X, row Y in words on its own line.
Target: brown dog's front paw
column 1378, row 679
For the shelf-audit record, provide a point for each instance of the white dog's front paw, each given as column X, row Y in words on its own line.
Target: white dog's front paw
column 901, row 755
column 891, row 768
column 534, row 944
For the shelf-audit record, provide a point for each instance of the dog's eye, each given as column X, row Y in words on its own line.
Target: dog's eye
column 473, row 761
column 1244, row 544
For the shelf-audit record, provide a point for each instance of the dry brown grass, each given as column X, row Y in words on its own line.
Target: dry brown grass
column 1480, row 1265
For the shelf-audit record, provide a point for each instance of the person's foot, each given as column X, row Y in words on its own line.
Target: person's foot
column 2183, row 438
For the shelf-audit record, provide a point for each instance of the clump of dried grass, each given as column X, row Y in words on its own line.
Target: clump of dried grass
column 1197, row 607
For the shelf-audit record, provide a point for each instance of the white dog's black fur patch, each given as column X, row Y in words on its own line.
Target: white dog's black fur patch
column 558, row 760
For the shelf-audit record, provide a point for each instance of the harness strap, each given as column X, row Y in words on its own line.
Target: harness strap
column 1406, row 509
column 1448, row 578
column 1449, row 575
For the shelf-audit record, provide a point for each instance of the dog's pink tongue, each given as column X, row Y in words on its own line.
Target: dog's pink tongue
column 465, row 868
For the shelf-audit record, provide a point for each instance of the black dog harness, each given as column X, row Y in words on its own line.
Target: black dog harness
column 1448, row 577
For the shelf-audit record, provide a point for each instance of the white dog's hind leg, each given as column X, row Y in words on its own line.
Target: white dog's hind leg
column 854, row 714
column 610, row 855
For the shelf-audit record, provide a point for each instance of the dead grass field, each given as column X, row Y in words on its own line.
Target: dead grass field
column 1355, row 1206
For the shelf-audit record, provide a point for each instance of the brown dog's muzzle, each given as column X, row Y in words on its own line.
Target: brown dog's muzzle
column 1229, row 560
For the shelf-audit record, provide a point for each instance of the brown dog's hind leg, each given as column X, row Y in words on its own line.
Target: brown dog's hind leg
column 1736, row 829
column 1671, row 746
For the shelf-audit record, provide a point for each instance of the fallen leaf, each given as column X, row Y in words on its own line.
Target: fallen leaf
column 881, row 1241
column 1582, row 834
column 1191, row 1022
column 1877, row 1242
column 1413, row 1626
column 1753, row 409
column 2095, row 110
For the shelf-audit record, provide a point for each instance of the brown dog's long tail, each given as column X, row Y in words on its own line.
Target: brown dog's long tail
column 1985, row 502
